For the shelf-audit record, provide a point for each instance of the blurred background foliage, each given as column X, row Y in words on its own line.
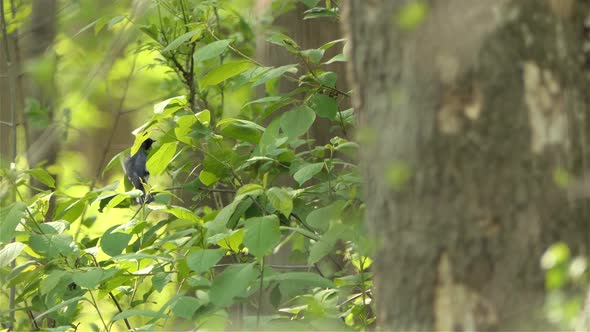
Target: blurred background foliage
column 256, row 222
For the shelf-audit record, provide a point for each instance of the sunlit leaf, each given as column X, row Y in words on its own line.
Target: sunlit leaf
column 10, row 219
column 224, row 72
column 42, row 176
column 10, row 252
column 160, row 160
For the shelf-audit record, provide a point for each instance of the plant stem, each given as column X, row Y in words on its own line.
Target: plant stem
column 260, row 290
column 98, row 311
column 120, row 310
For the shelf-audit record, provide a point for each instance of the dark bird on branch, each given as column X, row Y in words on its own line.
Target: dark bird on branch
column 137, row 172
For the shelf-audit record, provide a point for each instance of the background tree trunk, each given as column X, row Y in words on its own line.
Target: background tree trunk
column 308, row 34
column 42, row 141
column 467, row 115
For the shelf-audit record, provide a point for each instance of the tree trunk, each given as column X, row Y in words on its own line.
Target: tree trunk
column 467, row 115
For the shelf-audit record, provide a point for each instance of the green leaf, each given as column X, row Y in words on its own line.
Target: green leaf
column 139, row 139
column 337, row 58
column 241, row 129
column 92, row 277
column 51, row 281
column 133, row 312
column 268, row 138
column 285, row 41
column 74, row 210
column 211, row 50
column 307, row 172
column 42, row 176
column 310, row 279
column 159, row 161
column 10, row 252
column 113, row 243
column 264, row 100
column 60, row 305
column 10, row 219
column 314, row 55
column 281, row 200
column 53, row 245
column 231, row 240
column 186, row 306
column 319, row 12
column 324, row 106
column 181, row 213
column 116, row 160
column 224, row 72
column 224, row 217
column 208, row 178
column 114, row 201
column 239, row 212
column 412, row 14
column 203, row 259
column 232, row 282
column 183, row 128
column 274, row 73
column 252, row 189
column 262, row 234
column 181, row 40
column 161, row 106
column 204, row 117
column 320, row 218
column 297, row 121
column 328, row 79
column 326, row 243
column 329, row 44
column 160, row 280
column 99, row 24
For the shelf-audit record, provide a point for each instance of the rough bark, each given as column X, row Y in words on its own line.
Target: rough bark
column 476, row 108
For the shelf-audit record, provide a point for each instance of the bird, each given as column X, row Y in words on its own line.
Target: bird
column 137, row 172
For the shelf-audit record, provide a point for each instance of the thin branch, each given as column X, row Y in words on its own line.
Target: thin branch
column 95, row 305
column 260, row 291
column 120, row 310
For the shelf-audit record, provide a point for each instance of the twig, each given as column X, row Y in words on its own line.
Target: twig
column 286, row 267
column 95, row 305
column 120, row 310
column 308, row 66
